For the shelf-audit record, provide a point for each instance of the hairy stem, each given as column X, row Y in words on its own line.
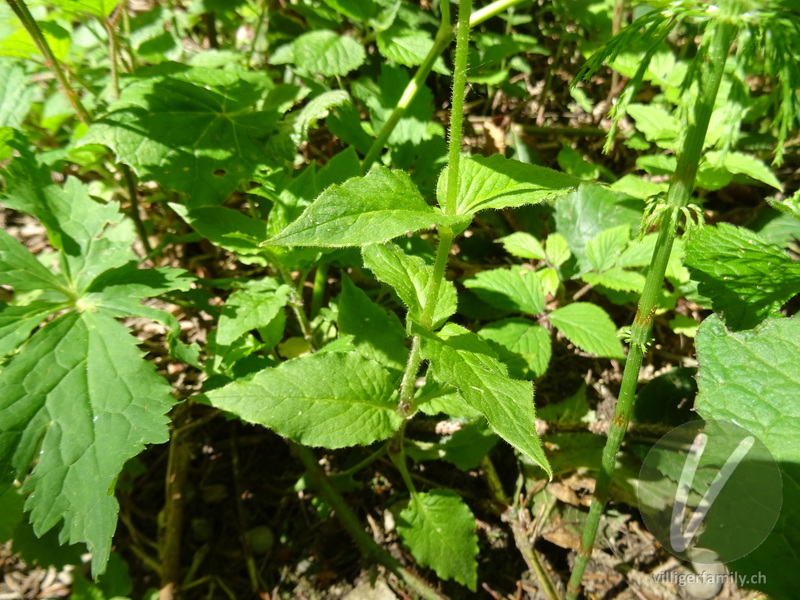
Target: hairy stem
column 678, row 196
column 444, row 36
column 351, row 523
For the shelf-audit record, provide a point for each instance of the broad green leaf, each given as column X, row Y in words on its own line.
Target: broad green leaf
column 574, row 409
column 465, row 448
column 194, row 131
column 327, row 53
column 225, row 227
column 20, row 269
column 17, row 322
column 498, row 182
column 588, row 327
column 746, row 277
column 656, row 124
column 616, row 278
column 365, row 210
column 16, row 93
column 461, row 359
column 408, row 47
column 410, row 277
column 752, row 377
column 557, row 249
column 376, row 333
column 439, row 529
column 590, row 210
column 603, row 249
column 523, row 245
column 573, row 163
column 96, row 8
column 739, row 163
column 79, row 402
column 523, row 345
column 332, row 400
column 515, row 290
column 16, row 42
column 250, row 308
column 382, row 95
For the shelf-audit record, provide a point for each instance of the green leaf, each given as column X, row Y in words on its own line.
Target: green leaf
column 410, row 277
column 250, row 308
column 574, row 409
column 16, row 93
column 439, row 529
column 524, row 346
column 591, row 210
column 603, row 250
column 739, row 163
column 192, row 130
column 327, row 53
column 656, row 124
column 79, row 401
column 372, row 209
column 746, row 277
column 20, row 270
column 498, row 182
column 96, row 8
column 407, row 47
column 515, row 290
column 616, row 278
column 461, row 359
column 332, row 400
column 588, row 327
column 523, row 245
column 376, row 333
column 17, row 322
column 225, row 227
column 557, row 249
column 751, row 378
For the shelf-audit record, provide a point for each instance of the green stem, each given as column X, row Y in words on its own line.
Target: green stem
column 130, row 182
column 446, row 234
column 678, row 196
column 24, row 15
column 351, row 523
column 457, row 109
column 318, row 292
column 443, row 38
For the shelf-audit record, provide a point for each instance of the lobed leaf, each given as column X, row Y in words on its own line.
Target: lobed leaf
column 79, row 401
column 193, row 130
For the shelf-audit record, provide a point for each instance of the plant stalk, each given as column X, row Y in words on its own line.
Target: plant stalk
column 29, row 23
column 444, row 36
column 351, row 523
column 678, row 197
